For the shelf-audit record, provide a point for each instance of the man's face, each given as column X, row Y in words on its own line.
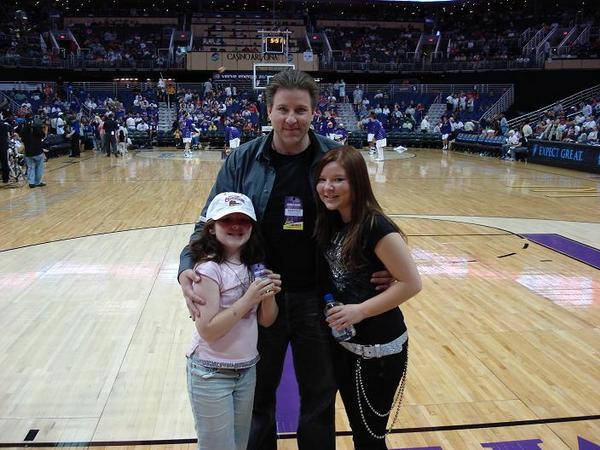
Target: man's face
column 291, row 114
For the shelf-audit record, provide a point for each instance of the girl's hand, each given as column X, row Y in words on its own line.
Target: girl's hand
column 260, row 289
column 275, row 279
column 340, row 317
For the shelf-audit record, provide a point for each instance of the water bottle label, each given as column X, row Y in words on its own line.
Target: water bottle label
column 258, row 270
column 343, row 335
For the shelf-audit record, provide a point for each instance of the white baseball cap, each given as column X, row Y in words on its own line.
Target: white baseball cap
column 227, row 203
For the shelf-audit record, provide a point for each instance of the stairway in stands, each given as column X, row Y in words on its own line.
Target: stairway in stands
column 347, row 116
column 435, row 113
column 166, row 116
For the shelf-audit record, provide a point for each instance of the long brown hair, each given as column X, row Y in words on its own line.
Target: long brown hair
column 208, row 248
column 364, row 206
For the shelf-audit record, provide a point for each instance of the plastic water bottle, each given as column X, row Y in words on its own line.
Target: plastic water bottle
column 258, row 271
column 339, row 335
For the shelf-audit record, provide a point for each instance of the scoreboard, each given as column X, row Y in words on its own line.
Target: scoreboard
column 274, row 44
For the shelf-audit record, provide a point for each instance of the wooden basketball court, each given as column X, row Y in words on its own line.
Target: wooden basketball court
column 505, row 335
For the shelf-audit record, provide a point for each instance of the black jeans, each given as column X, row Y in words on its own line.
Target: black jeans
column 75, row 145
column 380, row 379
column 109, row 143
column 301, row 322
column 4, row 163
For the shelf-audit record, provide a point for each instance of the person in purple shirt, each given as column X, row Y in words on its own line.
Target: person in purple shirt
column 232, row 137
column 378, row 135
column 368, row 125
column 380, row 140
column 340, row 134
column 187, row 128
column 446, row 130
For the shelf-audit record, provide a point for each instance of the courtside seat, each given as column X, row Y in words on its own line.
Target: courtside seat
column 357, row 139
column 164, row 138
column 488, row 145
column 432, row 140
column 139, row 138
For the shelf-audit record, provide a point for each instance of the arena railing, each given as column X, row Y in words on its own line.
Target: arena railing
column 566, row 102
column 582, row 38
column 429, row 66
column 504, row 102
column 74, row 62
column 531, row 45
column 6, row 100
column 393, row 89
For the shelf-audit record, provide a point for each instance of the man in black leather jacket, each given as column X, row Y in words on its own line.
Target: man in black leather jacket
column 276, row 172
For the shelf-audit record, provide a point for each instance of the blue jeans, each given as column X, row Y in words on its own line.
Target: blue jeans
column 221, row 402
column 35, row 168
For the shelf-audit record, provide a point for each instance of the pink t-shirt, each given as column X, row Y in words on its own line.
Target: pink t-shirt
column 238, row 346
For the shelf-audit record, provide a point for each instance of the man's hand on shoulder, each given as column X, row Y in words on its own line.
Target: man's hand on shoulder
column 186, row 279
column 382, row 280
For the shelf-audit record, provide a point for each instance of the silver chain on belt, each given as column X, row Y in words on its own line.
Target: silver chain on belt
column 361, row 393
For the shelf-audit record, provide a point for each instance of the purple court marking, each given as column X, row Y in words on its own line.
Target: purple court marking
column 288, row 399
column 576, row 250
column 586, row 445
column 529, row 444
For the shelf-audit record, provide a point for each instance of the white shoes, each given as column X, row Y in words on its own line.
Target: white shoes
column 187, row 154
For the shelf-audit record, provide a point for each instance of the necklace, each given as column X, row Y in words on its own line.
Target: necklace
column 244, row 284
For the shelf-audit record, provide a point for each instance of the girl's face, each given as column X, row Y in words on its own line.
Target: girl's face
column 334, row 190
column 233, row 231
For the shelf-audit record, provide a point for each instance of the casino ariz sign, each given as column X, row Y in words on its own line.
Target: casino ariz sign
column 242, row 56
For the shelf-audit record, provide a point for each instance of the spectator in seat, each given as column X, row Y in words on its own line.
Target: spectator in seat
column 526, row 130
column 469, row 126
column 511, row 141
column 425, row 125
column 592, row 137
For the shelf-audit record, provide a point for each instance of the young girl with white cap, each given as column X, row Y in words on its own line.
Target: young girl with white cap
column 222, row 357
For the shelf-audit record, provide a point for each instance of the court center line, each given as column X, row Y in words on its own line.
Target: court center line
column 468, row 426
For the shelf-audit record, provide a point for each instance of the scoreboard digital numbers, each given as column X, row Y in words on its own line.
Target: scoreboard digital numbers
column 274, row 44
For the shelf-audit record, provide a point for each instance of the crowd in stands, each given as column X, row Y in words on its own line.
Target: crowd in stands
column 372, row 46
column 576, row 124
column 121, row 47
column 203, row 115
column 137, row 112
column 467, row 32
column 484, row 44
column 219, row 110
